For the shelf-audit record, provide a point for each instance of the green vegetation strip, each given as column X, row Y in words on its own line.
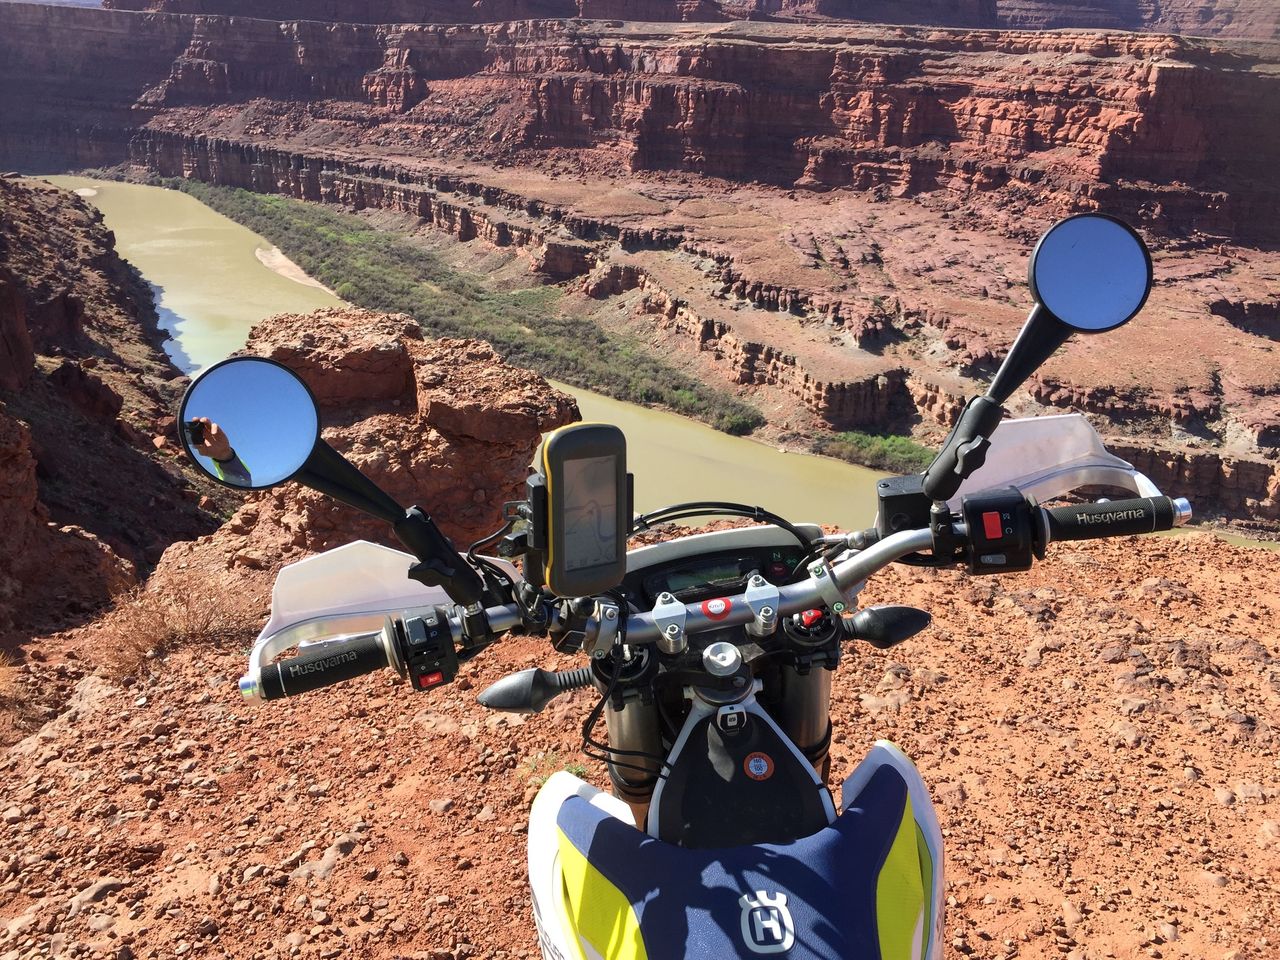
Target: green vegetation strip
column 381, row 270
column 889, row 452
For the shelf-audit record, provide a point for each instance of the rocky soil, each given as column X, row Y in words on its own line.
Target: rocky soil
column 1099, row 733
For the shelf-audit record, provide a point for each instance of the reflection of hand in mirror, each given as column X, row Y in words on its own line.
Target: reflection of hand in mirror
column 215, row 445
column 214, row 442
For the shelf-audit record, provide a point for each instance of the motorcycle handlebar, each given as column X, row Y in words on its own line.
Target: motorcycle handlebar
column 330, row 662
column 1117, row 518
column 792, row 598
column 338, row 660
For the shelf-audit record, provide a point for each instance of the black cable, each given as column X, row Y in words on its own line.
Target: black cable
column 505, row 529
column 595, row 750
column 717, row 508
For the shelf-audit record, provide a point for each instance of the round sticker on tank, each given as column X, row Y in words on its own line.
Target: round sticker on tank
column 758, row 766
column 716, row 609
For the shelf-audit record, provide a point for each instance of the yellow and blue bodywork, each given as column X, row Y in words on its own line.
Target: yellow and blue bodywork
column 867, row 887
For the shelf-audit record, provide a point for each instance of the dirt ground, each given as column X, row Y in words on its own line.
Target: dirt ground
column 1099, row 735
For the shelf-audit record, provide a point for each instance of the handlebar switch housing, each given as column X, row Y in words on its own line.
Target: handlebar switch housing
column 1001, row 530
column 429, row 655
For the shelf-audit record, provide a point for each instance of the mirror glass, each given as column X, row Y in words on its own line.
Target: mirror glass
column 249, row 423
column 1093, row 272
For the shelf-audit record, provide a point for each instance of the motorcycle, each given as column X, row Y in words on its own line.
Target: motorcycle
column 712, row 654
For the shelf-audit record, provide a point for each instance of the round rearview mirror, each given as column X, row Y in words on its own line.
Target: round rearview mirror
column 249, row 423
column 1092, row 272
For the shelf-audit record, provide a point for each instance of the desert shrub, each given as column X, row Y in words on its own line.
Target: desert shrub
column 538, row 768
column 893, row 453
column 147, row 624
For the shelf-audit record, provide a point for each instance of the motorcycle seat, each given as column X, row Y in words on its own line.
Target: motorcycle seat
column 859, row 888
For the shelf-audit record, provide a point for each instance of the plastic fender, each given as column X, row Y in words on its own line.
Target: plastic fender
column 885, row 753
column 555, row 937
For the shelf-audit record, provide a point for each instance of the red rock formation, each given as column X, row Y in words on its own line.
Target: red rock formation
column 83, row 501
column 356, row 11
column 1250, row 19
column 1247, row 19
column 956, row 13
column 445, row 424
column 1149, row 127
column 848, row 399
column 16, row 355
column 50, row 574
column 1215, row 482
column 1260, row 317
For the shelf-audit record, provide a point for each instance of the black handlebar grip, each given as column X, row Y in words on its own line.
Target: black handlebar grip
column 1090, row 521
column 329, row 663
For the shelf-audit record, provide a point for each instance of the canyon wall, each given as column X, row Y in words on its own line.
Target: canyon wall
column 799, row 152
column 86, row 501
column 1152, row 128
column 952, row 13
column 1244, row 19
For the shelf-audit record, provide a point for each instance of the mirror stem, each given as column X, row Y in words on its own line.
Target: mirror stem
column 331, row 473
column 1041, row 335
column 439, row 564
column 966, row 447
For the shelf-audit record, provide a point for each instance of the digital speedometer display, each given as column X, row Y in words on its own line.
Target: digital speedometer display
column 718, row 574
column 681, row 580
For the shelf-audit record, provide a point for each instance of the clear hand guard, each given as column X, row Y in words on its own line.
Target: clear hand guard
column 1048, row 457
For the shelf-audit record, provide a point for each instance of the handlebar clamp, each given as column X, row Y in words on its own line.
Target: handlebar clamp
column 824, row 578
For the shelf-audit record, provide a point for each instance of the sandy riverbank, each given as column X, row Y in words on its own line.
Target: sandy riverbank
column 274, row 259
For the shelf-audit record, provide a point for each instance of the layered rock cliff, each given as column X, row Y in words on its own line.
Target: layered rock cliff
column 1247, row 19
column 833, row 220
column 999, row 119
column 86, row 503
column 954, row 13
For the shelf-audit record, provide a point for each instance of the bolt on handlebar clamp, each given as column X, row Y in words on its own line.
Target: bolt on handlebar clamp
column 763, row 598
column 602, row 630
column 669, row 614
column 840, row 601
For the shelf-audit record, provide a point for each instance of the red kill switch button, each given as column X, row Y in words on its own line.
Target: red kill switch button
column 991, row 525
column 430, row 680
column 810, row 617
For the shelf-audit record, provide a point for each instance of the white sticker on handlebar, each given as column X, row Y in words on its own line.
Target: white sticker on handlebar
column 717, row 609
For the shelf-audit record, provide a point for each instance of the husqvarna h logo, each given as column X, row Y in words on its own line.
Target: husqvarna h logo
column 766, row 923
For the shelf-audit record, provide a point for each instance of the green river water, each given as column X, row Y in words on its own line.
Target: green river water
column 211, row 287
column 209, row 283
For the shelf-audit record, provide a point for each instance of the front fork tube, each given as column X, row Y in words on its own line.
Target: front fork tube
column 635, row 727
column 804, row 714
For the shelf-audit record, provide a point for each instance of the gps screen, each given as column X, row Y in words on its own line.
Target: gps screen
column 590, row 512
